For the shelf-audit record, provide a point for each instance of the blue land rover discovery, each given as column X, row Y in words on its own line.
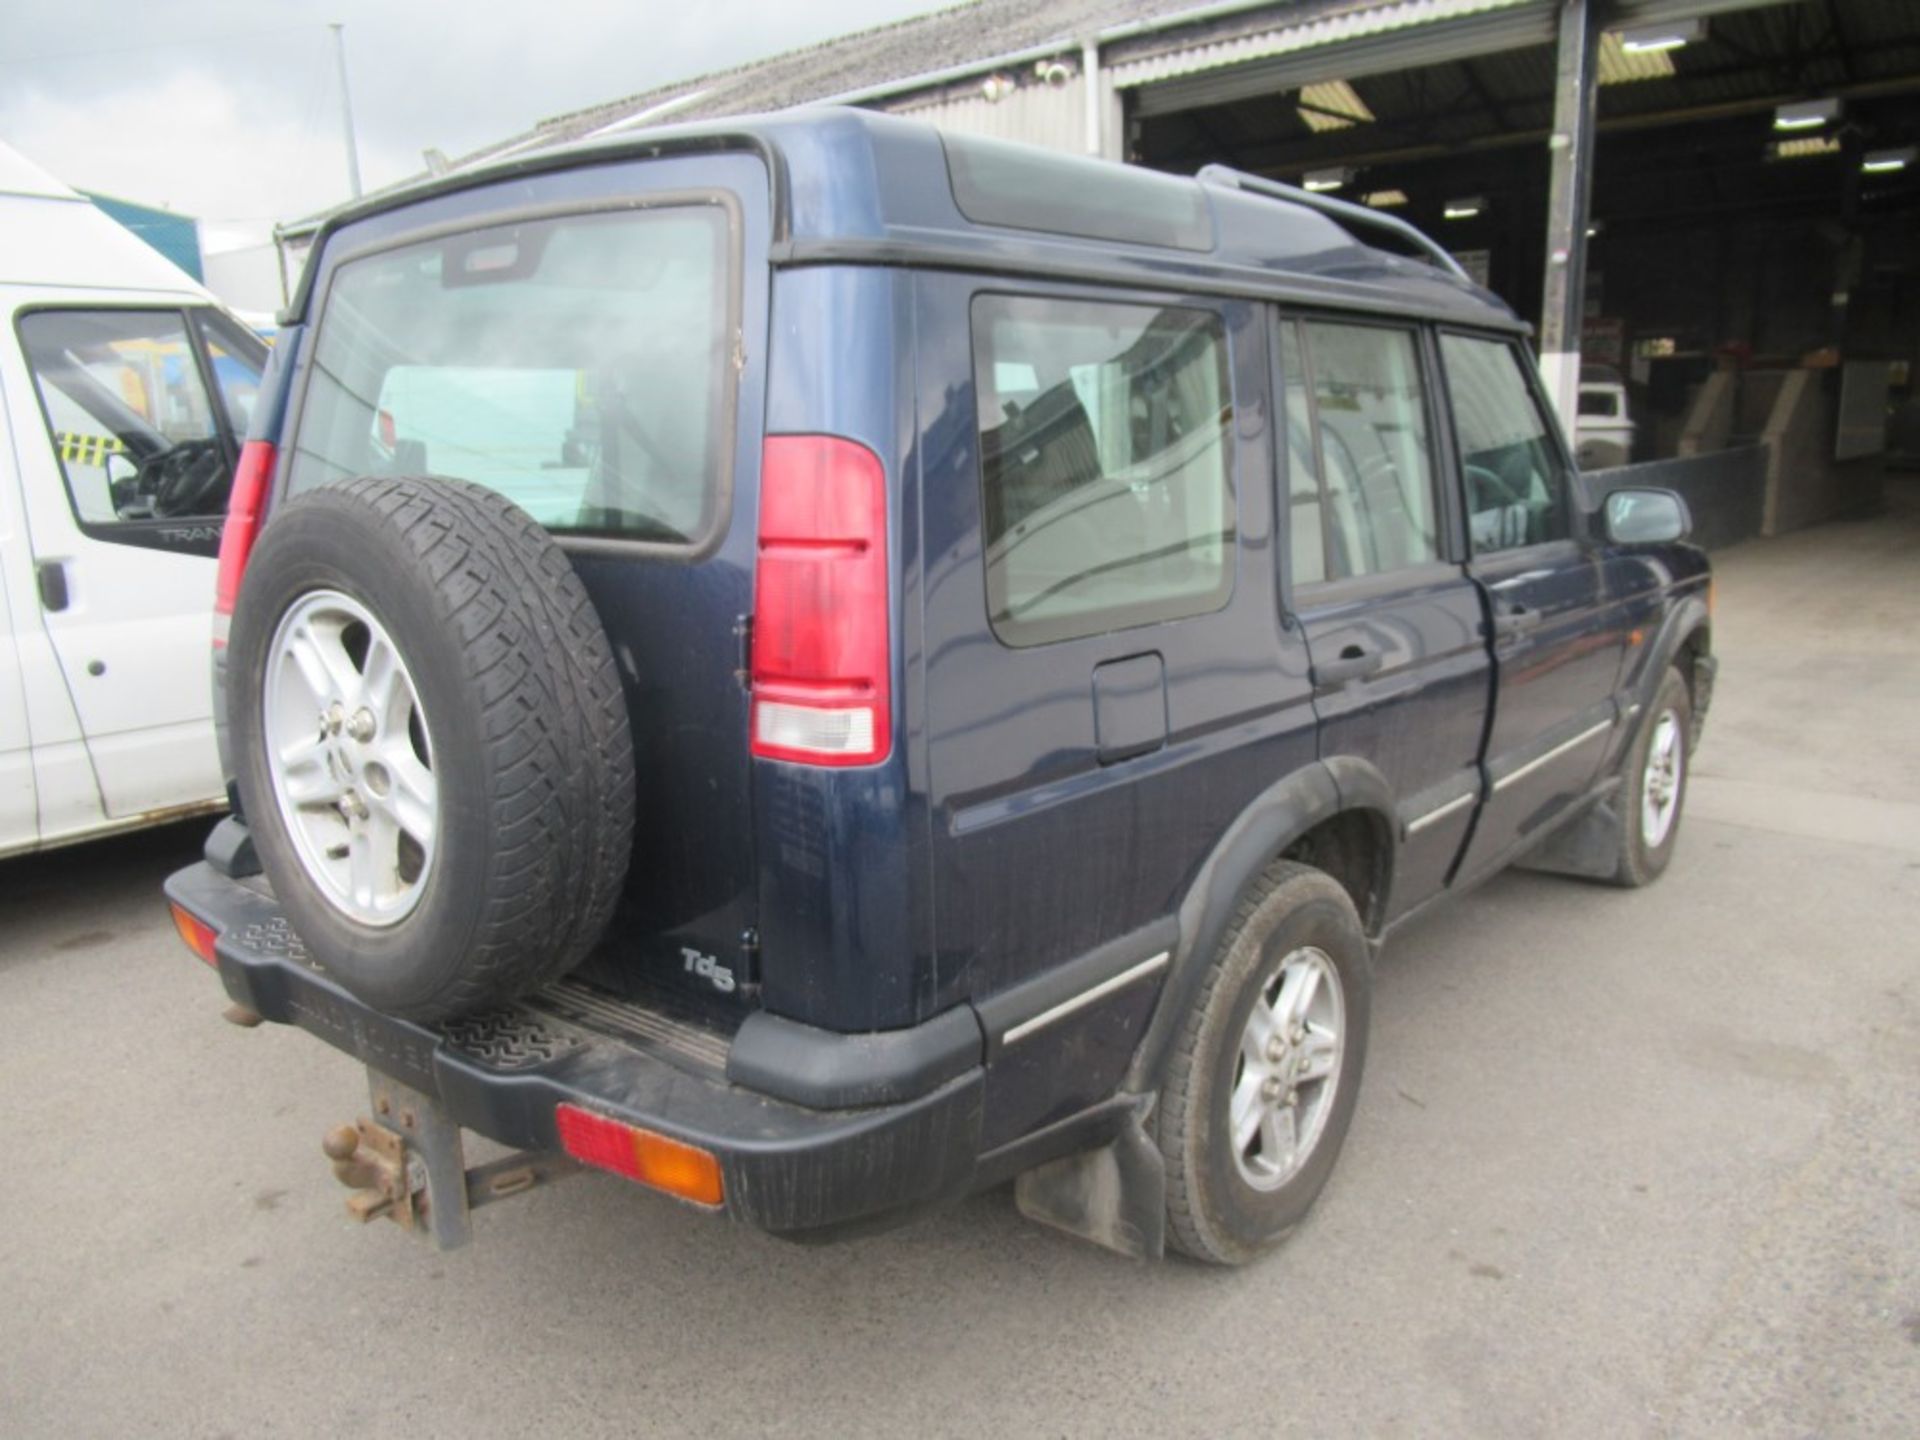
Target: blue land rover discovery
column 822, row 666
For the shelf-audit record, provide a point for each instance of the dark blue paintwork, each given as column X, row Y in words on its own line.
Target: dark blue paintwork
column 1087, row 799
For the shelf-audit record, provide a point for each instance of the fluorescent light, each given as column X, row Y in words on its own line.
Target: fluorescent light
column 1464, row 209
column 1385, row 199
column 1617, row 67
column 1804, row 147
column 1662, row 37
column 1321, row 181
column 1885, row 162
column 1806, row 114
column 1593, row 229
column 1332, row 105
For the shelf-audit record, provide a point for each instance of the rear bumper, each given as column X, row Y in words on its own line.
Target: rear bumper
column 786, row 1168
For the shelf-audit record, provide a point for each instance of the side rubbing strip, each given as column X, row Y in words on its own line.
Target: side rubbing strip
column 1435, row 816
column 1554, row 754
column 1085, row 998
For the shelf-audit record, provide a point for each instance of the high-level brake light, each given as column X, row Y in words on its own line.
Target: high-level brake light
column 820, row 661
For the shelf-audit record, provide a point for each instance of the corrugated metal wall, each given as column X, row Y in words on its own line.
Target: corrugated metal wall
column 1039, row 114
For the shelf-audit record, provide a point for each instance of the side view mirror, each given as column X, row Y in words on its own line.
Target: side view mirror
column 1647, row 517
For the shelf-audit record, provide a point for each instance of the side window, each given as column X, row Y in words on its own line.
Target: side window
column 1515, row 486
column 1307, row 541
column 132, row 423
column 1374, row 471
column 1106, row 465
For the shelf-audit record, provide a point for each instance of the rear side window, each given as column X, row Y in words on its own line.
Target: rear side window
column 1366, row 479
column 1106, row 465
column 579, row 366
column 1515, row 484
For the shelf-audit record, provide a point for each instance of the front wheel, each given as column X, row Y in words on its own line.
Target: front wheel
column 1655, row 786
column 1266, row 1070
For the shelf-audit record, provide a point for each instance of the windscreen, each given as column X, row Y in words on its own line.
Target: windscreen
column 576, row 365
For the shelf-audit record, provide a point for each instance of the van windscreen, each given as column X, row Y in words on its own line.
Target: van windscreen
column 577, row 365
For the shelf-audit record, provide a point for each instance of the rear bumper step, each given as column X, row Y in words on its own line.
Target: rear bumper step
column 786, row 1168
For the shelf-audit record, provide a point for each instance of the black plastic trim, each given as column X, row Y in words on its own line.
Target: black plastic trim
column 785, row 1169
column 827, row 1070
column 229, row 849
column 1009, row 1008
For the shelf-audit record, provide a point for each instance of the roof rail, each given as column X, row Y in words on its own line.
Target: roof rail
column 1342, row 212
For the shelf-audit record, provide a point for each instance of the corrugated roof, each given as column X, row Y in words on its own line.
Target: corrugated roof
column 1287, row 34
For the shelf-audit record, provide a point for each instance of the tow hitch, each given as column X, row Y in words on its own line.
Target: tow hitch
column 408, row 1164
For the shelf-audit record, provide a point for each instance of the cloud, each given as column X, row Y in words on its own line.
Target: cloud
column 228, row 110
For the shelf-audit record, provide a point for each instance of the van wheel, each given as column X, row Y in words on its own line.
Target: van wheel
column 1656, row 786
column 1266, row 1070
column 432, row 742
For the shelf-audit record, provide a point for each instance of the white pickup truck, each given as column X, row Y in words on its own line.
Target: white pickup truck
column 1603, row 429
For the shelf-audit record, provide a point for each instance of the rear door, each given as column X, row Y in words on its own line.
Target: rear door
column 124, row 488
column 1393, row 624
column 1557, row 644
column 594, row 349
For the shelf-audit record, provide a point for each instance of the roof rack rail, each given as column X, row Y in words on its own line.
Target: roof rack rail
column 1342, row 212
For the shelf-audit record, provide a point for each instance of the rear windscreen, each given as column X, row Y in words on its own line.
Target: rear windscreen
column 578, row 366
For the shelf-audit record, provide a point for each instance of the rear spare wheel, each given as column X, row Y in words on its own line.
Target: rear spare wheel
column 431, row 740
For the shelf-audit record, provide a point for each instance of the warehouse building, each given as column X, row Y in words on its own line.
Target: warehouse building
column 1711, row 205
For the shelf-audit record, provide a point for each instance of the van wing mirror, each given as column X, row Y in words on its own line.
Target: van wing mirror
column 1647, row 517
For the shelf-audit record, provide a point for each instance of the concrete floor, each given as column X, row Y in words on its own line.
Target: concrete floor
column 1624, row 1164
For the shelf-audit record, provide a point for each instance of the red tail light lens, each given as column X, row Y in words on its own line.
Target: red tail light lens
column 657, row 1160
column 200, row 936
column 820, row 656
column 250, row 479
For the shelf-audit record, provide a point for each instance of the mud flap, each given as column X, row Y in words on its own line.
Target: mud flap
column 1115, row 1196
column 1589, row 848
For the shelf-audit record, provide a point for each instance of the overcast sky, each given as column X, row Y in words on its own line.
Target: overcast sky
column 228, row 109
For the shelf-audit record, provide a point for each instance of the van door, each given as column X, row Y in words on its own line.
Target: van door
column 1393, row 624
column 19, row 806
column 124, row 496
column 1557, row 643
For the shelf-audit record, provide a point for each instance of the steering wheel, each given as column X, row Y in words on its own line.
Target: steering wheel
column 188, row 480
column 1489, row 490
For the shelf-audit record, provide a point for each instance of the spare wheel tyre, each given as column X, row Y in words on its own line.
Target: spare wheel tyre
column 432, row 742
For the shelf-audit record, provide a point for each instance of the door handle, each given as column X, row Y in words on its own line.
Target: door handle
column 52, row 575
column 1354, row 662
column 1516, row 620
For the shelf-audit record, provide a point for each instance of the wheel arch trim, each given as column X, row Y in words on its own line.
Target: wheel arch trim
column 1261, row 833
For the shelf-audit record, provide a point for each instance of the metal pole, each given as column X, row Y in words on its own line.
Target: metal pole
column 1090, row 84
column 346, row 107
column 1570, row 152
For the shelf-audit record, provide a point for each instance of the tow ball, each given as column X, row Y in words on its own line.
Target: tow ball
column 407, row 1164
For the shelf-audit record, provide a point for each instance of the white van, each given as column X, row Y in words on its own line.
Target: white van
column 124, row 392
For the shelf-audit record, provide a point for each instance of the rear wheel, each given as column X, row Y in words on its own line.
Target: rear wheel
column 432, row 742
column 1266, row 1070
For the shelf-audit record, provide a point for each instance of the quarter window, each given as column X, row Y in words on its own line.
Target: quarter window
column 1362, row 476
column 1515, row 485
column 136, row 432
column 1106, row 465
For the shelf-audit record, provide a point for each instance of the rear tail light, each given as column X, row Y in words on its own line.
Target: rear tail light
column 670, row 1165
column 820, row 661
column 199, row 935
column 243, row 525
